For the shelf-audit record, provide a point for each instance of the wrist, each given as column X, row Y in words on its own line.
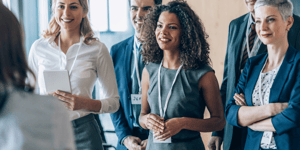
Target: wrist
column 270, row 110
column 182, row 123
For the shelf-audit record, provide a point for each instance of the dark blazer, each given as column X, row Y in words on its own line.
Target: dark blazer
column 123, row 119
column 285, row 88
column 236, row 35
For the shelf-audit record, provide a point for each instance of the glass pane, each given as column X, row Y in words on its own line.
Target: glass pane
column 118, row 13
column 43, row 15
column 98, row 15
column 6, row 3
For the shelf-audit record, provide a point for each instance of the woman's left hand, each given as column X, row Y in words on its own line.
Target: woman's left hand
column 240, row 99
column 172, row 127
column 72, row 102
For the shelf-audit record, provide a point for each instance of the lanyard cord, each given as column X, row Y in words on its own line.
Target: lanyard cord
column 71, row 69
column 163, row 112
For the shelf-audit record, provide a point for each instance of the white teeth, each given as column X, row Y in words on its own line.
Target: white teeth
column 65, row 20
column 164, row 40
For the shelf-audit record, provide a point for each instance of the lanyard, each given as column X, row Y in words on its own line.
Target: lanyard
column 70, row 71
column 252, row 53
column 162, row 114
column 137, row 69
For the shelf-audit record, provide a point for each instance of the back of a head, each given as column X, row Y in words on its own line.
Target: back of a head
column 285, row 7
column 13, row 64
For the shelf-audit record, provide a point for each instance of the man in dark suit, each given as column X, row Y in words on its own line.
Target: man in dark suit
column 128, row 68
column 242, row 43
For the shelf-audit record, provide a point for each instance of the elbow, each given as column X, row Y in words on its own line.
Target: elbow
column 221, row 124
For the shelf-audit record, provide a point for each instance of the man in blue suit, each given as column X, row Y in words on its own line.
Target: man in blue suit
column 242, row 43
column 128, row 68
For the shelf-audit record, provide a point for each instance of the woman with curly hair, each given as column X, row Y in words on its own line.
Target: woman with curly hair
column 69, row 45
column 177, row 82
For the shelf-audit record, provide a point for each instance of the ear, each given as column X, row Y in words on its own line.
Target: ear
column 290, row 22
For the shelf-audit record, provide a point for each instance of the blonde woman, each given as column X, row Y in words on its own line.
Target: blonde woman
column 68, row 44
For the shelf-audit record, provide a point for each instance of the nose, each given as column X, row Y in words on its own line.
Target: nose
column 139, row 14
column 164, row 30
column 66, row 11
column 263, row 26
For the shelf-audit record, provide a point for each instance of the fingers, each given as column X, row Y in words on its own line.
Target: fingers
column 240, row 99
column 164, row 136
column 62, row 98
column 64, row 94
column 154, row 123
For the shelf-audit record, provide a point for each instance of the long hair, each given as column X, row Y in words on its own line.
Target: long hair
column 194, row 49
column 13, row 65
column 85, row 27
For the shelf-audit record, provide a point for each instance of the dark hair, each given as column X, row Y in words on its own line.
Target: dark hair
column 194, row 49
column 13, row 64
column 156, row 2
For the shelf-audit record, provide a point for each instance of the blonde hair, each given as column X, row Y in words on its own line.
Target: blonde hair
column 85, row 27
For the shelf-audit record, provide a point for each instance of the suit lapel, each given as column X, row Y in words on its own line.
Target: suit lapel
column 237, row 48
column 254, row 74
column 282, row 75
column 127, row 60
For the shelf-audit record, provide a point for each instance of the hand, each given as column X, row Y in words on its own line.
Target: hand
column 72, row 102
column 154, row 123
column 144, row 144
column 240, row 99
column 133, row 143
column 215, row 143
column 172, row 127
column 277, row 108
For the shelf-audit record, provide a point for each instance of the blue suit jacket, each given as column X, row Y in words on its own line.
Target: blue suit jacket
column 236, row 34
column 123, row 119
column 286, row 88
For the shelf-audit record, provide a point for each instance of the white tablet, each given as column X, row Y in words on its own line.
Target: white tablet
column 57, row 80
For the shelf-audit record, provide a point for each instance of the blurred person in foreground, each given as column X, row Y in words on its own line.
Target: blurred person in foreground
column 27, row 121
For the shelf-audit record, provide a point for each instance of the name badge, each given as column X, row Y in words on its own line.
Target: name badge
column 165, row 141
column 136, row 99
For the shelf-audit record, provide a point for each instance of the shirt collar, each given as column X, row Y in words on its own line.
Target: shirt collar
column 250, row 20
column 52, row 43
column 137, row 43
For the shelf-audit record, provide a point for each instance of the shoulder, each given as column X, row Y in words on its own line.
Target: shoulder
column 42, row 42
column 198, row 73
column 122, row 44
column 239, row 20
column 152, row 67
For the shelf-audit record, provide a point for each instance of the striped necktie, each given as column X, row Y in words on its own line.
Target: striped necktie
column 251, row 38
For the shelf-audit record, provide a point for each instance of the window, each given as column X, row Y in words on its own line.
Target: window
column 109, row 15
column 6, row 3
column 43, row 14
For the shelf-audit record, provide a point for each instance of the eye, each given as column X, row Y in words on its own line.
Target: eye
column 173, row 27
column 60, row 6
column 134, row 8
column 73, row 7
column 159, row 26
column 257, row 21
column 271, row 20
column 146, row 9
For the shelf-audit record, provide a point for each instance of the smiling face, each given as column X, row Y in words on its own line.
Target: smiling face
column 69, row 14
column 168, row 31
column 270, row 26
column 138, row 10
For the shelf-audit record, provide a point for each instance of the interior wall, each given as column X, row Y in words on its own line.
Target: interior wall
column 216, row 16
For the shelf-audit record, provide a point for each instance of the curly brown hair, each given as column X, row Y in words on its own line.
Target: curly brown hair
column 194, row 49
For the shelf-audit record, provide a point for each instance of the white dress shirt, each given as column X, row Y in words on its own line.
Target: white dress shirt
column 33, row 122
column 93, row 61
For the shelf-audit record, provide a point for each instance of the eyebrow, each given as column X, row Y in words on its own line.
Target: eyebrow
column 70, row 4
column 142, row 7
column 271, row 16
column 169, row 23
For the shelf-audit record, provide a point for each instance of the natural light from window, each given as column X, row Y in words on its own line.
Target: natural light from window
column 6, row 3
column 98, row 15
column 118, row 12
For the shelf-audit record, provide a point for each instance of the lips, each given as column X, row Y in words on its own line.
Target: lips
column 265, row 35
column 164, row 39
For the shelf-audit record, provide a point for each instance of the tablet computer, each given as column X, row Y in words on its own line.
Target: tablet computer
column 57, row 80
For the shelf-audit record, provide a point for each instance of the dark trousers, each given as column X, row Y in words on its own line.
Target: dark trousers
column 140, row 132
column 87, row 133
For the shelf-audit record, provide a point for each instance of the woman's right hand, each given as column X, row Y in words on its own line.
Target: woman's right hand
column 154, row 122
column 277, row 108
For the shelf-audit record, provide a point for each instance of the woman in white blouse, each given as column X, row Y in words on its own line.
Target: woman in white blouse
column 27, row 121
column 267, row 98
column 68, row 44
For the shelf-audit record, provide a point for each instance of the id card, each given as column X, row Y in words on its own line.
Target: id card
column 165, row 141
column 136, row 99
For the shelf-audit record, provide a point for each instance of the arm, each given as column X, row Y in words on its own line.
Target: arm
column 208, row 86
column 109, row 91
column 32, row 63
column 264, row 125
column 148, row 120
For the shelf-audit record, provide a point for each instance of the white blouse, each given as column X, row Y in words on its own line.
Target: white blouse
column 93, row 62
column 267, row 79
